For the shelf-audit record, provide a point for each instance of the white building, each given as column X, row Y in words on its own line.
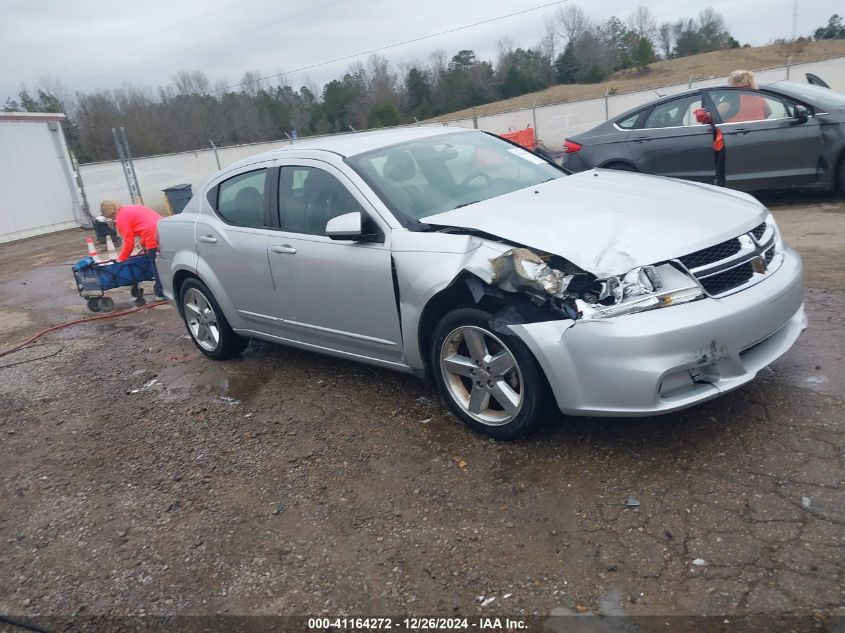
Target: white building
column 38, row 192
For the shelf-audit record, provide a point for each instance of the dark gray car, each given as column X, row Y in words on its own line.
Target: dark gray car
column 785, row 135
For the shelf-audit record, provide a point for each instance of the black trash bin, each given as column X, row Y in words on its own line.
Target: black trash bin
column 178, row 196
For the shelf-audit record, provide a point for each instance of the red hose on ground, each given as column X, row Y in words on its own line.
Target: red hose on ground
column 111, row 315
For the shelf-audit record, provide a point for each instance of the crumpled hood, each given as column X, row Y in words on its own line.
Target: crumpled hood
column 607, row 222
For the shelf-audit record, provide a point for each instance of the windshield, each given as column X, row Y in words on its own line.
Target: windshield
column 814, row 95
column 444, row 172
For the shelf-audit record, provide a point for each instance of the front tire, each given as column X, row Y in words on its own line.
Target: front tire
column 206, row 324
column 489, row 379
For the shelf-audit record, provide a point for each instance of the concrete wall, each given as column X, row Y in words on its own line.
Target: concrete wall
column 553, row 124
column 37, row 194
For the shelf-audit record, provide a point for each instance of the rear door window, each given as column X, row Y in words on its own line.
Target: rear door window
column 676, row 113
column 240, row 200
column 628, row 123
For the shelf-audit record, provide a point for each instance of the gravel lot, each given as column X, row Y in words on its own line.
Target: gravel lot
column 138, row 477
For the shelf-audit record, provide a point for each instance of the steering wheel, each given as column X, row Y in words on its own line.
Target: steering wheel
column 474, row 176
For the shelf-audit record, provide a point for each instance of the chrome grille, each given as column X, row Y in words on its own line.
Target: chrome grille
column 731, row 278
column 712, row 254
column 770, row 255
column 735, row 263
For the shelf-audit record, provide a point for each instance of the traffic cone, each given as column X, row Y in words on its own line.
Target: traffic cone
column 92, row 250
column 111, row 251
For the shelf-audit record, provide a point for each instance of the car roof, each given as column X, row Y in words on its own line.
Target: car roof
column 360, row 142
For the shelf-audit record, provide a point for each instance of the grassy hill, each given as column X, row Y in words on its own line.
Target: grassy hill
column 668, row 72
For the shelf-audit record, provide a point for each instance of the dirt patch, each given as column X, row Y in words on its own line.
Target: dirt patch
column 139, row 477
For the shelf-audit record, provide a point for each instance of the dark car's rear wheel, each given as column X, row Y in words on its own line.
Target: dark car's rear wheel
column 206, row 324
column 490, row 380
column 840, row 176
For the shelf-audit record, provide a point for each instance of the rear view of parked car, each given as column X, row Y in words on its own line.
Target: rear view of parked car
column 456, row 255
column 785, row 136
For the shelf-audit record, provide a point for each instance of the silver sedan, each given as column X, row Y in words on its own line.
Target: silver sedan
column 456, row 255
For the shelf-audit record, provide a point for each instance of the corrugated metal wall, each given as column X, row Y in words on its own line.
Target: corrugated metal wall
column 35, row 194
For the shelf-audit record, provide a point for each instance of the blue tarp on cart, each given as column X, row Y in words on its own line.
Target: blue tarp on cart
column 100, row 277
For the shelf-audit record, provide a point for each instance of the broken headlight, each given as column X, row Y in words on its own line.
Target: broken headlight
column 643, row 288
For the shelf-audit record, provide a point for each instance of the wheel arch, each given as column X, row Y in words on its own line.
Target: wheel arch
column 456, row 295
column 179, row 279
column 609, row 164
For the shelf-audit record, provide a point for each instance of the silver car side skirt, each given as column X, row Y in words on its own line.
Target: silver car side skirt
column 327, row 350
column 362, row 337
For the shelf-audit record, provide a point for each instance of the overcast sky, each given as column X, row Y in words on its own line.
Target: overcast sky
column 93, row 44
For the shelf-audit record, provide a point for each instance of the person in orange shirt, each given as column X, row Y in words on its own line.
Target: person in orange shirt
column 748, row 107
column 131, row 221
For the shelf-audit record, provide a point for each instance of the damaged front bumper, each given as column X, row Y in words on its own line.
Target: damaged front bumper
column 668, row 359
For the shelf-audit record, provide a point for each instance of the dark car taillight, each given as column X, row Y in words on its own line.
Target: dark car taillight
column 570, row 147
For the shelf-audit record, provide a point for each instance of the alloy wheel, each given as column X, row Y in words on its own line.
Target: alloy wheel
column 201, row 320
column 482, row 375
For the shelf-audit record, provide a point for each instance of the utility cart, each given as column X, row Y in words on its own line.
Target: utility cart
column 94, row 278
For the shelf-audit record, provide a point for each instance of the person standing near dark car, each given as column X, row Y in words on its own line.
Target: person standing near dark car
column 746, row 107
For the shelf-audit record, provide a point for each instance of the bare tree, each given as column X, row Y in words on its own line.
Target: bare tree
column 665, row 39
column 711, row 28
column 548, row 48
column 503, row 61
column 381, row 81
column 642, row 22
column 573, row 22
column 251, row 82
column 191, row 83
column 549, row 43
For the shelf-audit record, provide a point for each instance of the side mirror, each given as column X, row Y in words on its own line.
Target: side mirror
column 800, row 114
column 350, row 226
column 345, row 227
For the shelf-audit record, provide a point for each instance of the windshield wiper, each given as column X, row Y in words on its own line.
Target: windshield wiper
column 464, row 204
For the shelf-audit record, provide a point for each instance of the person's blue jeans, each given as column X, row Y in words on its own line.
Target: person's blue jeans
column 151, row 253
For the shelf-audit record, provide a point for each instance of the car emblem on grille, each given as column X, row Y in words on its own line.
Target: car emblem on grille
column 759, row 265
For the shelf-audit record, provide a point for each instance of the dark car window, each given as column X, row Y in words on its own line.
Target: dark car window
column 737, row 106
column 240, row 200
column 675, row 113
column 309, row 198
column 629, row 122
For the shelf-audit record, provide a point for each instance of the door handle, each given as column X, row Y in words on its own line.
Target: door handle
column 208, row 239
column 640, row 139
column 284, row 248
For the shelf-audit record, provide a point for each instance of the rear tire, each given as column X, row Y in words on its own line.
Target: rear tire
column 106, row 304
column 840, row 177
column 206, row 324
column 489, row 379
